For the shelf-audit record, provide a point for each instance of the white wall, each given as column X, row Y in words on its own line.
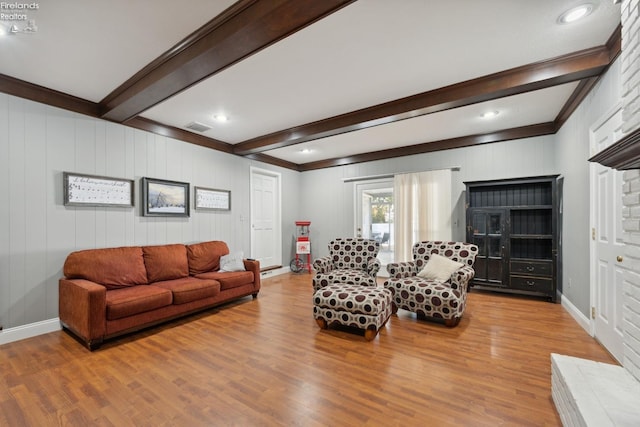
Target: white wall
column 572, row 154
column 328, row 201
column 38, row 143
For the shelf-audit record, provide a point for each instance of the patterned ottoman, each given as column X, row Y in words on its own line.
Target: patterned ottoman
column 363, row 307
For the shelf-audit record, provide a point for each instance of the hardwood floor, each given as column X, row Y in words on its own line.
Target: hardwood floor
column 265, row 362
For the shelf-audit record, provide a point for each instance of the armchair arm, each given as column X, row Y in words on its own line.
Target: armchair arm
column 323, row 265
column 82, row 306
column 461, row 278
column 398, row 270
column 373, row 266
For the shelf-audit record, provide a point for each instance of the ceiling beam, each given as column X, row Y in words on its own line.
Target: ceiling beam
column 32, row 92
column 240, row 31
column 428, row 147
column 564, row 69
column 180, row 134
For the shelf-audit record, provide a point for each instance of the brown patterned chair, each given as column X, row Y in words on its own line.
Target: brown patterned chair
column 350, row 261
column 434, row 285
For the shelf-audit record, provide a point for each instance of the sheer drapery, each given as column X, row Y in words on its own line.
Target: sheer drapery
column 422, row 203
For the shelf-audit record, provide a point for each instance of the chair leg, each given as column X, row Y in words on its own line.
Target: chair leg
column 450, row 323
column 370, row 334
column 322, row 323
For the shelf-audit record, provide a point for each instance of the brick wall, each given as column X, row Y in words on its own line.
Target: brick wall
column 631, row 198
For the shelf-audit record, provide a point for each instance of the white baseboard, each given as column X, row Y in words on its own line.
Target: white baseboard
column 275, row 272
column 28, row 331
column 578, row 316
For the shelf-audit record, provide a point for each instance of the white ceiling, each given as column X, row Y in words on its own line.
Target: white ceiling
column 367, row 53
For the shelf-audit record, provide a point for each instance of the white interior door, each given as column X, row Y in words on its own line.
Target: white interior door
column 266, row 242
column 607, row 263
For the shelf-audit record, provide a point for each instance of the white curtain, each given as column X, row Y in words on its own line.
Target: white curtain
column 422, row 204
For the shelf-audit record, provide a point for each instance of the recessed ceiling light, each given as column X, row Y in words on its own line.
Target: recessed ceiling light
column 576, row 13
column 305, row 151
column 489, row 114
column 220, row 118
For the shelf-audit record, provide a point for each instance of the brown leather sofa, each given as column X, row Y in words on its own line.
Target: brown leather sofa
column 109, row 292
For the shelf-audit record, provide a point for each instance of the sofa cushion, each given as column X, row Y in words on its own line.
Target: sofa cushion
column 112, row 267
column 136, row 299
column 165, row 262
column 189, row 289
column 229, row 279
column 205, row 256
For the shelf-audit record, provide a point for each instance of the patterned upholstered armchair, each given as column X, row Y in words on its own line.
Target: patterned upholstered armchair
column 434, row 285
column 350, row 261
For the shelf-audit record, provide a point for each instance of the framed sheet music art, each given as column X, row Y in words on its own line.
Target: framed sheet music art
column 93, row 190
column 212, row 199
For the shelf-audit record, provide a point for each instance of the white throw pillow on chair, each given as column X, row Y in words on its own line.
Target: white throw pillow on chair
column 439, row 268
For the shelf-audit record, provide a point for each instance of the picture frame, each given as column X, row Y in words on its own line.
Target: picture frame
column 95, row 190
column 164, row 198
column 212, row 199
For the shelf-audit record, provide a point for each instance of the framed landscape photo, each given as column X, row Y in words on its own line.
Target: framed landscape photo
column 212, row 199
column 94, row 190
column 164, row 198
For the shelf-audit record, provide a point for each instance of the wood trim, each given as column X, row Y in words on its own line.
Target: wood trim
column 180, row 134
column 622, row 155
column 32, row 92
column 428, row 147
column 261, row 157
column 242, row 30
column 574, row 101
column 560, row 70
column 614, row 44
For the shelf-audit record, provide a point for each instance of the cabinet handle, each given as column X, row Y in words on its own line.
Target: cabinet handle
column 531, row 283
column 530, row 268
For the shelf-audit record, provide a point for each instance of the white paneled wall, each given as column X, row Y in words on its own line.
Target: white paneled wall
column 329, row 202
column 38, row 143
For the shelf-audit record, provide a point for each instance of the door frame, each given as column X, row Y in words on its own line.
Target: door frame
column 593, row 209
column 277, row 246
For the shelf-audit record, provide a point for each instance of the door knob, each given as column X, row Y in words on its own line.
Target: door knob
column 619, row 258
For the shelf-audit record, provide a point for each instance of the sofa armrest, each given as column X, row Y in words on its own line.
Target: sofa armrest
column 253, row 266
column 323, row 265
column 461, row 278
column 398, row 270
column 373, row 266
column 82, row 306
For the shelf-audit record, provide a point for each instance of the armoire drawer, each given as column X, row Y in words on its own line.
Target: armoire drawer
column 533, row 284
column 534, row 268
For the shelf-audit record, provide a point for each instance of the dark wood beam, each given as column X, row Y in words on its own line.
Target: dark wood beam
column 428, row 147
column 26, row 90
column 242, row 30
column 614, row 47
column 180, row 134
column 576, row 66
column 578, row 95
column 261, row 157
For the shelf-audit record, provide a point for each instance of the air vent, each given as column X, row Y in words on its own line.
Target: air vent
column 198, row 127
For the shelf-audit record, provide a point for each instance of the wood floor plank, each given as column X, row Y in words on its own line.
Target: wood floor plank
column 265, row 362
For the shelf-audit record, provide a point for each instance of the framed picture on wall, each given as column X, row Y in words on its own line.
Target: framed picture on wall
column 164, row 198
column 94, row 190
column 212, row 199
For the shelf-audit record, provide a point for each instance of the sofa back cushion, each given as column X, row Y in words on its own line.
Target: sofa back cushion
column 165, row 262
column 112, row 267
column 205, row 256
